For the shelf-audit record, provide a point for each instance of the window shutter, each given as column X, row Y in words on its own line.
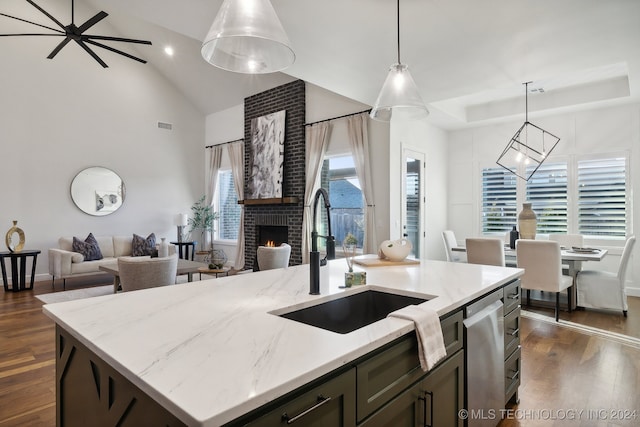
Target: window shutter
column 601, row 197
column 499, row 209
column 546, row 190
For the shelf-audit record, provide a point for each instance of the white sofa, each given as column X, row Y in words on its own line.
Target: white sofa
column 64, row 263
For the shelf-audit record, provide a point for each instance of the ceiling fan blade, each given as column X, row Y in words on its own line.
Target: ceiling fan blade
column 32, row 23
column 47, row 14
column 31, row 34
column 92, row 21
column 104, row 46
column 92, row 53
column 58, row 48
column 115, row 39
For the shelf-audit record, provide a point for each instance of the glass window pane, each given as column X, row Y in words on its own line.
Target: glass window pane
column 228, row 208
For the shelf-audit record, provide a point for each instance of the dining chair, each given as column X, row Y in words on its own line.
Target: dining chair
column 273, row 257
column 143, row 272
column 541, row 261
column 485, row 250
column 450, row 242
column 605, row 290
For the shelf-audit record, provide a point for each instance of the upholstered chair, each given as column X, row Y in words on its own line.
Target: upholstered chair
column 485, row 250
column 273, row 257
column 605, row 290
column 144, row 272
column 450, row 242
column 542, row 264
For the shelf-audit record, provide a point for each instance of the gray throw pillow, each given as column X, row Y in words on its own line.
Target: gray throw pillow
column 141, row 246
column 88, row 248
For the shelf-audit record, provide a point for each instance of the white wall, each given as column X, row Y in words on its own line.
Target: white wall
column 60, row 116
column 597, row 131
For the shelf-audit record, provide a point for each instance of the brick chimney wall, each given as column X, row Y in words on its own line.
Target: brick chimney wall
column 289, row 97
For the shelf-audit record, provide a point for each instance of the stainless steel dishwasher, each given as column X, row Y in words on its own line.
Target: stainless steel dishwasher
column 484, row 330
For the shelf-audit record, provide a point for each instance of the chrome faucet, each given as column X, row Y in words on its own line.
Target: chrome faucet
column 314, row 256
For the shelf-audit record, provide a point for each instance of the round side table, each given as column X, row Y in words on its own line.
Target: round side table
column 215, row 271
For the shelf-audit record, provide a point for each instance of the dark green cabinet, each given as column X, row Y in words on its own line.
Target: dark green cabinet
column 434, row 401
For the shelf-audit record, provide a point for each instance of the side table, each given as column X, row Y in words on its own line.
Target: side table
column 18, row 271
column 184, row 253
column 216, row 271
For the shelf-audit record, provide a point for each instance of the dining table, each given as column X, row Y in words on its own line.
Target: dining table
column 570, row 256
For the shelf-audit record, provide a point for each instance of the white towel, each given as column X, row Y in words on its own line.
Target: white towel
column 431, row 347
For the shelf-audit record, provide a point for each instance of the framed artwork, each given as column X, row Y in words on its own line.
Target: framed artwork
column 267, row 156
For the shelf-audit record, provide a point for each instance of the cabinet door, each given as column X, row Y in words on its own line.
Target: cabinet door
column 329, row 404
column 444, row 393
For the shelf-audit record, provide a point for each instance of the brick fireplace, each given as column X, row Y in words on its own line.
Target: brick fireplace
column 275, row 218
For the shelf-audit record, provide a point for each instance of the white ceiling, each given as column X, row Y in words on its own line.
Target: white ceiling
column 468, row 57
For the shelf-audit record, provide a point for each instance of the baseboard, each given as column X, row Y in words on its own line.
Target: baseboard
column 633, row 292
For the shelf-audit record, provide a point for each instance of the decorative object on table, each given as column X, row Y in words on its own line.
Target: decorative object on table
column 399, row 92
column 202, row 220
column 218, row 258
column 97, row 191
column 513, row 236
column 267, row 156
column 529, row 147
column 77, row 33
column 349, row 247
column 181, row 221
column 247, row 37
column 15, row 247
column 527, row 222
column 395, row 250
column 163, row 250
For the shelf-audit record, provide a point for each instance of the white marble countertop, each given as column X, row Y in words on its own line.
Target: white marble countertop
column 211, row 351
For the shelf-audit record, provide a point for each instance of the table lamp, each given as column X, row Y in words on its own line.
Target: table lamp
column 181, row 221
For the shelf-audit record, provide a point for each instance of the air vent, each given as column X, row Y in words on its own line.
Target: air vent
column 167, row 126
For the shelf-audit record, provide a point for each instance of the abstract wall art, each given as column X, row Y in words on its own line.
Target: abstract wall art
column 267, row 157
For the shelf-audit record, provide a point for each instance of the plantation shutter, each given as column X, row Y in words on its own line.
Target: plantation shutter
column 546, row 190
column 498, row 200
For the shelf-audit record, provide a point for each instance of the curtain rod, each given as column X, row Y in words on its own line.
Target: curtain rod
column 224, row 143
column 339, row 117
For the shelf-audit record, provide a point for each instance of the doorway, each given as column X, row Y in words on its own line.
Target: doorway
column 413, row 200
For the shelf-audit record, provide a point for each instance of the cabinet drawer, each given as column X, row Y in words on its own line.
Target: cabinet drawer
column 388, row 373
column 329, row 404
column 511, row 332
column 511, row 298
column 512, row 370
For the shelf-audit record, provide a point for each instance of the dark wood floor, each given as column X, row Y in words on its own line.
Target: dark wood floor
column 562, row 370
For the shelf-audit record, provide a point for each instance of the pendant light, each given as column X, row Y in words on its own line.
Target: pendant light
column 399, row 92
column 528, row 148
column 247, row 37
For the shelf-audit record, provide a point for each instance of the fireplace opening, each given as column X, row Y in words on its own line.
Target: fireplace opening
column 275, row 235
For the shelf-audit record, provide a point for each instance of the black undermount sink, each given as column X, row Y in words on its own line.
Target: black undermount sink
column 344, row 315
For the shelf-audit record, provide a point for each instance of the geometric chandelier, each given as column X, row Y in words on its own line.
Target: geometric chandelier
column 528, row 148
column 72, row 32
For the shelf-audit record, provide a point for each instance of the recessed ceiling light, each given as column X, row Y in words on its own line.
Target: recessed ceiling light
column 168, row 50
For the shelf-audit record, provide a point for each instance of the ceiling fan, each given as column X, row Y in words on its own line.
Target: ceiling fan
column 72, row 32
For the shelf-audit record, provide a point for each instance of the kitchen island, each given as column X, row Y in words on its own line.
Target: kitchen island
column 210, row 352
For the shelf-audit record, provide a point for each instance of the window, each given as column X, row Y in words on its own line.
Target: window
column 347, row 203
column 602, row 197
column 499, row 208
column 547, row 192
column 227, row 206
column 584, row 196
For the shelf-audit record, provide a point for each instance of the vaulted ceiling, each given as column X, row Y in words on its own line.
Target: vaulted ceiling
column 468, row 57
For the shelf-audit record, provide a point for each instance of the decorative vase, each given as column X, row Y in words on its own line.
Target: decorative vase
column 395, row 250
column 163, row 251
column 218, row 258
column 527, row 222
column 9, row 238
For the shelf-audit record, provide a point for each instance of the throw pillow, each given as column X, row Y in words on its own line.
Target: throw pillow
column 88, row 248
column 141, row 246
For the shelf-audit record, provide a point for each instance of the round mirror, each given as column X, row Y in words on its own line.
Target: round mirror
column 97, row 191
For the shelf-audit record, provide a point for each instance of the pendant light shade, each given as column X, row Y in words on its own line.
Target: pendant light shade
column 528, row 148
column 247, row 37
column 399, row 93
